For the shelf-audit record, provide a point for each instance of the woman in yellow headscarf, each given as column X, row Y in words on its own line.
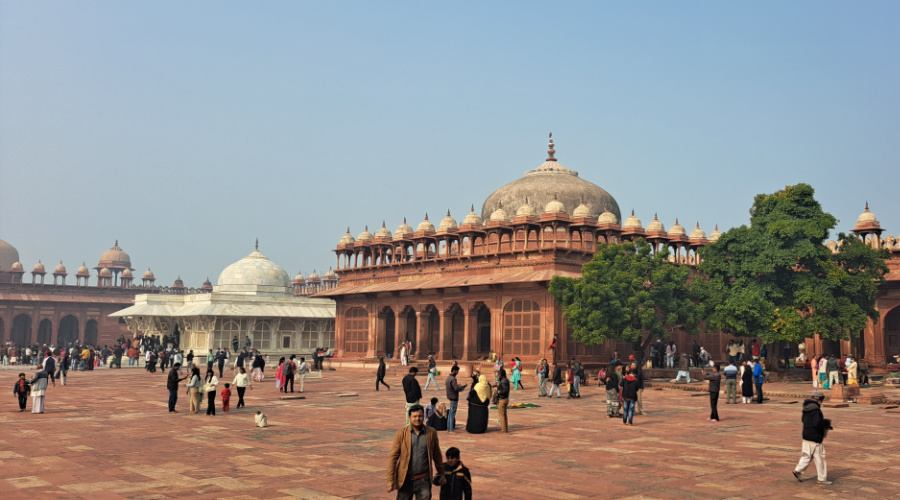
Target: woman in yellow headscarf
column 479, row 399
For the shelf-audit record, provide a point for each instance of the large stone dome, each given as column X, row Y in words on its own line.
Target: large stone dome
column 8, row 256
column 551, row 179
column 255, row 274
column 115, row 258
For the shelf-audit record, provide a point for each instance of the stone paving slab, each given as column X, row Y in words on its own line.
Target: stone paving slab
column 107, row 435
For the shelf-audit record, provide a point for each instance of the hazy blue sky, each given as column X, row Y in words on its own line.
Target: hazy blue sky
column 187, row 129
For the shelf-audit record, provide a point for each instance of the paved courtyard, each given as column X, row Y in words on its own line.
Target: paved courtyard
column 108, row 435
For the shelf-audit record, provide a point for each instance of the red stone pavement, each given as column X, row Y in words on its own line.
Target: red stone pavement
column 108, row 435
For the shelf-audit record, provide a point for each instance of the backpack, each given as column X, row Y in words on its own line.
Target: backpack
column 286, row 369
column 51, row 364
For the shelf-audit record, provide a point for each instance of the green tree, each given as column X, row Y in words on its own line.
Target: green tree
column 777, row 280
column 627, row 291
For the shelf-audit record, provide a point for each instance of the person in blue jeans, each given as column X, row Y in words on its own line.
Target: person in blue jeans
column 629, row 396
column 432, row 371
column 453, row 390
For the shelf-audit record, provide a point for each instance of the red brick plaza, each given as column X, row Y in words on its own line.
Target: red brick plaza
column 108, row 435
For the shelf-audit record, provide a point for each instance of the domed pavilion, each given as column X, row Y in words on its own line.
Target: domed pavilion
column 253, row 302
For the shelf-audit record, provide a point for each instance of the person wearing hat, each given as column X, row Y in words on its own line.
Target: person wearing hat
column 432, row 371
column 815, row 428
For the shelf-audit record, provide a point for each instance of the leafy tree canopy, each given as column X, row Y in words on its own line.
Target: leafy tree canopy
column 777, row 280
column 625, row 291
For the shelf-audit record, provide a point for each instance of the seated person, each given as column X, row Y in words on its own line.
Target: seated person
column 436, row 415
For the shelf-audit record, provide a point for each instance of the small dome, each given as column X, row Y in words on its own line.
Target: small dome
column 346, row 239
column 60, row 269
column 581, row 211
column 499, row 215
column 207, row 285
column 127, row 274
column 473, row 219
column 178, row 283
column 525, row 210
column 8, row 255
column 714, row 236
column 384, row 232
column 330, row 275
column 555, row 207
column 314, row 277
column 698, row 234
column 147, row 276
column 17, row 267
column 425, row 226
column 656, row 226
column 403, row 230
column 608, row 217
column 448, row 223
column 39, row 268
column 365, row 236
column 867, row 220
column 677, row 229
column 632, row 222
column 299, row 279
column 84, row 271
column 105, row 273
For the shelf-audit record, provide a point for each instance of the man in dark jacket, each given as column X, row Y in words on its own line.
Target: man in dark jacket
column 639, row 375
column 379, row 375
column 453, row 389
column 502, row 398
column 629, row 395
column 555, row 381
column 172, row 385
column 815, row 426
column 412, row 389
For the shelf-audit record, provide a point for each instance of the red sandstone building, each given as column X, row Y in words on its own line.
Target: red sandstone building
column 461, row 291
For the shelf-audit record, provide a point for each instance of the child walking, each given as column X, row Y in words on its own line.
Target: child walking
column 459, row 480
column 22, row 389
column 226, row 397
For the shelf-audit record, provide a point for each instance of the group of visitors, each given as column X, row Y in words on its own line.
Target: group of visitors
column 829, row 370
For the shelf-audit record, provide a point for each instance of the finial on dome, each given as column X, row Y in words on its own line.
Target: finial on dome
column 367, row 228
column 632, row 211
column 655, row 218
column 382, row 225
column 117, row 241
column 550, row 150
column 698, row 223
column 472, row 208
column 256, row 245
column 499, row 204
column 676, row 221
column 348, row 229
column 867, row 206
column 426, row 215
column 404, row 220
column 448, row 212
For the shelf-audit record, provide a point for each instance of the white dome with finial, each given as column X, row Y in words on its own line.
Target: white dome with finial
column 555, row 207
column 656, row 226
column 147, row 275
column 347, row 238
column 581, row 211
column 525, row 210
column 330, row 275
column 84, row 271
column 473, row 219
column 60, row 269
column 867, row 220
column 39, row 268
column 314, row 277
column 403, row 230
column 499, row 215
column 425, row 226
column 698, row 234
column 384, row 232
column 677, row 229
column 299, row 279
column 255, row 274
column 632, row 222
column 608, row 217
column 364, row 236
column 715, row 235
column 448, row 223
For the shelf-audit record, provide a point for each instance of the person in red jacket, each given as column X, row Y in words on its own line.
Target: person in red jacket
column 22, row 389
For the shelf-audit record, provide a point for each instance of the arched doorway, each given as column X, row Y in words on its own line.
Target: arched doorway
column 388, row 323
column 67, row 334
column 892, row 334
column 21, row 330
column 455, row 326
column 433, row 333
column 45, row 331
column 483, row 329
column 90, row 332
column 409, row 325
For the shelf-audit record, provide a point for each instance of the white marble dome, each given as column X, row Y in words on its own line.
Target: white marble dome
column 677, row 229
column 632, row 222
column 473, row 219
column 255, row 274
column 582, row 211
column 448, row 223
column 525, row 210
column 608, row 217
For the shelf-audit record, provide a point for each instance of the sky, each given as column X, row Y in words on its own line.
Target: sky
column 187, row 130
